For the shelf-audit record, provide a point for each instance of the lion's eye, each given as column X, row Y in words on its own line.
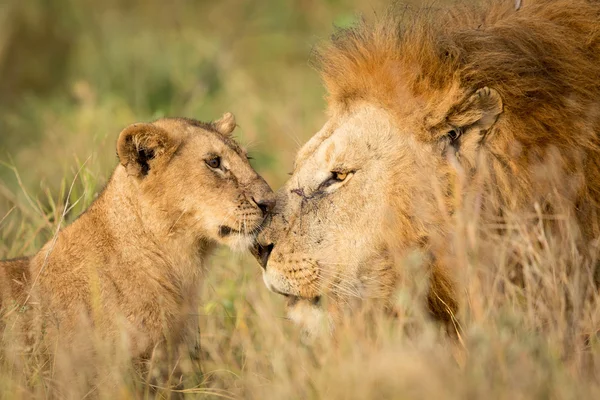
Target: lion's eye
column 454, row 134
column 340, row 176
column 214, row 162
column 336, row 177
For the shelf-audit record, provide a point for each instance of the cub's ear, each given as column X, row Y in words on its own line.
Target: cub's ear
column 481, row 110
column 140, row 146
column 225, row 125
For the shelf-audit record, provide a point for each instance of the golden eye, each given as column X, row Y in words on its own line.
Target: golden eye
column 340, row 176
column 214, row 162
column 336, row 177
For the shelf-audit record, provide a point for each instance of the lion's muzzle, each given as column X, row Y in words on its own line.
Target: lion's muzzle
column 262, row 253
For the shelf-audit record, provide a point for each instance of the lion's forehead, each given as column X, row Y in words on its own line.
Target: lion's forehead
column 315, row 142
column 316, row 163
column 348, row 138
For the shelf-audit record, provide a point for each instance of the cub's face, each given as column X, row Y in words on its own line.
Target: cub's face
column 196, row 179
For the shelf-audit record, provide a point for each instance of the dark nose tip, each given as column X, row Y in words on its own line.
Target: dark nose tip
column 263, row 253
column 266, row 205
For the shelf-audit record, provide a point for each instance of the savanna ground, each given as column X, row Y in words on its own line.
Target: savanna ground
column 74, row 73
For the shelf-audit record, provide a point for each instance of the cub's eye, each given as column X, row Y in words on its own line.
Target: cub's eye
column 454, row 134
column 214, row 162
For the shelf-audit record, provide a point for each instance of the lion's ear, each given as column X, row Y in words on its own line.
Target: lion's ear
column 140, row 144
column 225, row 125
column 481, row 110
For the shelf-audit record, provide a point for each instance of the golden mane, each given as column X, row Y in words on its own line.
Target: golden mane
column 543, row 60
column 503, row 111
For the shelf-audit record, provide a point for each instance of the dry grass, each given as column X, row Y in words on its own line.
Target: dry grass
column 535, row 339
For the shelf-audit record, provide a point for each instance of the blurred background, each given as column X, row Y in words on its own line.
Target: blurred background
column 73, row 73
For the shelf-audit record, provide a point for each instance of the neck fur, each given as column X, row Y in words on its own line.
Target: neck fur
column 143, row 234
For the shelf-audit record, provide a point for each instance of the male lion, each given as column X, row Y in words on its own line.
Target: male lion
column 127, row 271
column 418, row 102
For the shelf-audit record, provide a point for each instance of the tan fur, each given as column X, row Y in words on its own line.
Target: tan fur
column 508, row 99
column 127, row 271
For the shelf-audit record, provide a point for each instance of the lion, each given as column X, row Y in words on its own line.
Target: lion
column 127, row 271
column 417, row 102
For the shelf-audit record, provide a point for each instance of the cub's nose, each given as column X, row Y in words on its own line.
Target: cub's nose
column 262, row 253
column 266, row 204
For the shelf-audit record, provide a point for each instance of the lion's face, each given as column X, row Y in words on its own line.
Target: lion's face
column 198, row 180
column 327, row 233
column 363, row 188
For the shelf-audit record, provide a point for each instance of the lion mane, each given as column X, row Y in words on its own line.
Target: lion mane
column 543, row 59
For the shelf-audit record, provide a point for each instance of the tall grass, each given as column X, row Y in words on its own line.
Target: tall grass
column 75, row 73
column 534, row 337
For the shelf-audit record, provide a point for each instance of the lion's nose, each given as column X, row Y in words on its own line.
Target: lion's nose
column 262, row 253
column 266, row 204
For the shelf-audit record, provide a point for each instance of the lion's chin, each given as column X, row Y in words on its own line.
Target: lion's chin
column 313, row 319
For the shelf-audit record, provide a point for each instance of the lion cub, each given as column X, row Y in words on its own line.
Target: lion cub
column 127, row 271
